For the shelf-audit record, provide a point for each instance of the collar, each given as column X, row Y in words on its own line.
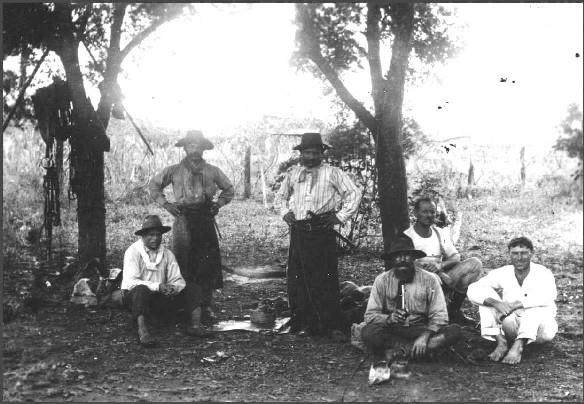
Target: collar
column 304, row 171
column 194, row 167
column 150, row 265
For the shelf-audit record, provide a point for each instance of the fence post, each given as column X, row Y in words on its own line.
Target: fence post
column 247, row 173
column 522, row 159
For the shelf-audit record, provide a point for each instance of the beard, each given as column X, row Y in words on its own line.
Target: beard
column 195, row 155
column 405, row 272
column 310, row 162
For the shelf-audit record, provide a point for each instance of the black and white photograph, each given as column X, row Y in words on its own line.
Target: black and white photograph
column 292, row 202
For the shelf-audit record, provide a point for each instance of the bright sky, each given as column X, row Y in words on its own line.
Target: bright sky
column 216, row 70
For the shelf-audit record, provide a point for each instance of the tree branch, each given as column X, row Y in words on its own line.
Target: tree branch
column 309, row 44
column 83, row 20
column 373, row 56
column 112, row 66
column 362, row 113
column 140, row 37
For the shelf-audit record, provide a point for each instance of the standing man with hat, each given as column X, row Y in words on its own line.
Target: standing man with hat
column 406, row 304
column 309, row 199
column 152, row 282
column 195, row 184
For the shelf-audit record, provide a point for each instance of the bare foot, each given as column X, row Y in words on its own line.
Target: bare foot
column 514, row 355
column 498, row 353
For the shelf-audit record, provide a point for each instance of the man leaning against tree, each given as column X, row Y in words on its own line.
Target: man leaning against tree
column 309, row 198
column 195, row 185
column 516, row 303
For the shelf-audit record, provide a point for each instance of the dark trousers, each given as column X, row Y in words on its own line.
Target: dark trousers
column 378, row 337
column 196, row 248
column 313, row 281
column 142, row 301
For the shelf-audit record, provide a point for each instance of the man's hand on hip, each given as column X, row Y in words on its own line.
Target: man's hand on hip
column 172, row 208
column 214, row 208
column 289, row 218
column 332, row 220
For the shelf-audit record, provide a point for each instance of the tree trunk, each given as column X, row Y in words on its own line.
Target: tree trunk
column 471, row 178
column 390, row 162
column 22, row 79
column 247, row 173
column 90, row 195
column 264, row 194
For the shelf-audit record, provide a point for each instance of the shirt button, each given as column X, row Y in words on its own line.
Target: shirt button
column 525, row 295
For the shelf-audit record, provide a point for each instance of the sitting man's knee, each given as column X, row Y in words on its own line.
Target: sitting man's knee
column 474, row 263
column 141, row 290
column 373, row 336
column 546, row 334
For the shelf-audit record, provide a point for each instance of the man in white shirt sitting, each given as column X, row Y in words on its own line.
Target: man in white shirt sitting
column 516, row 302
column 442, row 258
column 152, row 281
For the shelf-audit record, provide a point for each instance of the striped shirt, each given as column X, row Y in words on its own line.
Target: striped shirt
column 319, row 189
column 423, row 299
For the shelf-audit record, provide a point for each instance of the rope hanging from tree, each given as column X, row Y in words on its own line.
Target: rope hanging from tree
column 52, row 106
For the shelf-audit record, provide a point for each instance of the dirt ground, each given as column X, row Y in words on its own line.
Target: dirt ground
column 66, row 353
column 55, row 351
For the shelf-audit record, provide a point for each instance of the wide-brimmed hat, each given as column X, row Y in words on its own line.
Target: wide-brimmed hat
column 195, row 136
column 401, row 245
column 152, row 222
column 311, row 139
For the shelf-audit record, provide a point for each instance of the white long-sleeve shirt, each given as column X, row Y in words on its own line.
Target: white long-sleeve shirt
column 320, row 189
column 139, row 269
column 538, row 289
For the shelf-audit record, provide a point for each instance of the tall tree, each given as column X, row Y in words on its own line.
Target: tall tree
column 329, row 38
column 63, row 28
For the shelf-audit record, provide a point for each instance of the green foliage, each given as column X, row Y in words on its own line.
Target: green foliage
column 571, row 141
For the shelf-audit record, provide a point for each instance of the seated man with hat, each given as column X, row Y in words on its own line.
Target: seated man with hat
column 309, row 200
column 151, row 280
column 406, row 304
column 195, row 185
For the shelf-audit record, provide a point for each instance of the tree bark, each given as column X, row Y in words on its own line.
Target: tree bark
column 390, row 162
column 90, row 198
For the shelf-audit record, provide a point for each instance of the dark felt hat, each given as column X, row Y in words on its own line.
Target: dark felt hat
column 400, row 245
column 311, row 139
column 152, row 222
column 195, row 136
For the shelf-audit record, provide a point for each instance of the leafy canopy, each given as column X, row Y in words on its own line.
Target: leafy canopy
column 341, row 29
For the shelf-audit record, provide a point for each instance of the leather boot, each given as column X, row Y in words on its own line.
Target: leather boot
column 195, row 328
column 454, row 313
column 144, row 336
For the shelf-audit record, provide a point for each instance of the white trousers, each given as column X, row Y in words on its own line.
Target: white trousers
column 535, row 324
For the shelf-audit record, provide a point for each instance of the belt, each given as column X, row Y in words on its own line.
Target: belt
column 314, row 222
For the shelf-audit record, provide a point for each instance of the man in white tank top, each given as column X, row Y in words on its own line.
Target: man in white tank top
column 442, row 258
